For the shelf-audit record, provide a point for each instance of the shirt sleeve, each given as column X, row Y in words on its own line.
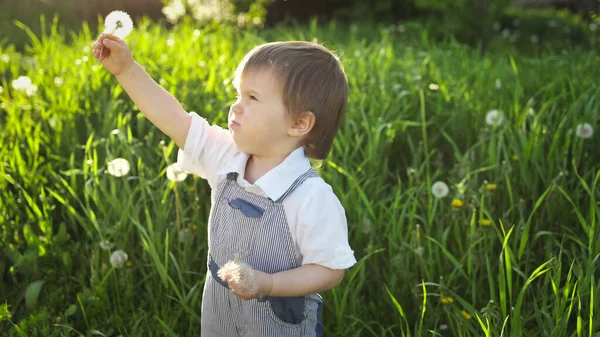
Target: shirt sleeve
column 322, row 231
column 207, row 149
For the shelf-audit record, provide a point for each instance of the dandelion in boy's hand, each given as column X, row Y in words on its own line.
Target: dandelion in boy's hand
column 584, row 130
column 494, row 118
column 117, row 23
column 241, row 274
column 118, row 167
column 118, row 258
column 175, row 174
column 439, row 189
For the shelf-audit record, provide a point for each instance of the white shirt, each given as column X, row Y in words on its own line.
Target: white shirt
column 315, row 215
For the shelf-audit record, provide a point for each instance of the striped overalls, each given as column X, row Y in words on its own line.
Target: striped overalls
column 256, row 228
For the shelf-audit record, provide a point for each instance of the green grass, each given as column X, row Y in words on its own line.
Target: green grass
column 531, row 272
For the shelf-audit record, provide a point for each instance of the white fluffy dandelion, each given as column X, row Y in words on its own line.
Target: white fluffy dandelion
column 118, row 258
column 183, row 234
column 174, row 10
column 118, row 23
column 584, row 130
column 175, row 173
column 494, row 118
column 118, row 167
column 105, row 245
column 24, row 84
column 439, row 189
column 242, row 275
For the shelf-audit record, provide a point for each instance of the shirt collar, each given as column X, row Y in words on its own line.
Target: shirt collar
column 280, row 178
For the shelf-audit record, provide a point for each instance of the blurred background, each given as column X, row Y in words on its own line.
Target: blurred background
column 470, row 21
column 494, row 100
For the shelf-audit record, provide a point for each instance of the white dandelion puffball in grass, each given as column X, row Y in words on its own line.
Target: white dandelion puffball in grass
column 439, row 189
column 118, row 167
column 584, row 130
column 118, row 258
column 494, row 118
column 118, row 23
column 24, row 84
column 105, row 245
column 175, row 173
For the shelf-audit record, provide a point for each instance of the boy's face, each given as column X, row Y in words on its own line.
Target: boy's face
column 258, row 119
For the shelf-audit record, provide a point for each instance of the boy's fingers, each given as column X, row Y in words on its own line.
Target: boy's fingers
column 110, row 44
column 114, row 38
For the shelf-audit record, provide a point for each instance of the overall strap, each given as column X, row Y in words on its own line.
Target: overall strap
column 311, row 173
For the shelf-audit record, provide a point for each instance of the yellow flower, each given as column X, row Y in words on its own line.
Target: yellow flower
column 129, row 264
column 457, row 203
column 447, row 300
column 490, row 187
column 194, row 227
column 466, row 314
column 515, row 157
column 485, row 222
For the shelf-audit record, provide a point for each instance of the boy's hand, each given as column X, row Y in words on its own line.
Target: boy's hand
column 245, row 282
column 116, row 56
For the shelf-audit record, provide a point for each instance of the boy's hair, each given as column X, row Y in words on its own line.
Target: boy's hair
column 311, row 78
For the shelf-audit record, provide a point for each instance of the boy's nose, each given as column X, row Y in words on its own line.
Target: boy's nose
column 236, row 108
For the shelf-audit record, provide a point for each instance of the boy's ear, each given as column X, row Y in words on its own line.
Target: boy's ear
column 302, row 125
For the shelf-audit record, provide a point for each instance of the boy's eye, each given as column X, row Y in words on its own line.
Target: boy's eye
column 253, row 98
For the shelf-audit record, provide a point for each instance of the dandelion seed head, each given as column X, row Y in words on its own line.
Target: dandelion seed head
column 175, row 173
column 59, row 81
column 494, row 118
column 118, row 23
column 584, row 130
column 118, row 167
column 118, row 258
column 439, row 189
column 21, row 83
column 105, row 245
column 183, row 234
column 534, row 39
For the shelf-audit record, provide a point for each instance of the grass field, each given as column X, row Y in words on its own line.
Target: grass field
column 510, row 250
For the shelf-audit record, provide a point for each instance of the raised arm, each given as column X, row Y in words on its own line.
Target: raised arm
column 157, row 104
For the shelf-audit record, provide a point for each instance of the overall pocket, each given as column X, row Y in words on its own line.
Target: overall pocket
column 235, row 224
